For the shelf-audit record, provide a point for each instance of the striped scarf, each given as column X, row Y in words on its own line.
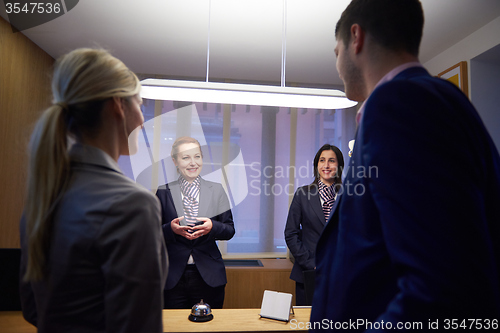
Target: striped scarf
column 327, row 194
column 190, row 192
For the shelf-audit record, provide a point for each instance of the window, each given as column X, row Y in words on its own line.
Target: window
column 260, row 154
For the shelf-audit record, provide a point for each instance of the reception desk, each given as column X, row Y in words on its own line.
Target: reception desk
column 244, row 293
column 13, row 322
column 245, row 285
column 234, row 320
column 225, row 320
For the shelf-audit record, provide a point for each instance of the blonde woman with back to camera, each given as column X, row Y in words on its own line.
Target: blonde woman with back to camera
column 93, row 255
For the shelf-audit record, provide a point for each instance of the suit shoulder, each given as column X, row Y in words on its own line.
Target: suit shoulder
column 131, row 190
column 105, row 182
column 140, row 195
column 306, row 190
column 418, row 84
column 210, row 183
column 164, row 192
column 106, row 192
column 169, row 186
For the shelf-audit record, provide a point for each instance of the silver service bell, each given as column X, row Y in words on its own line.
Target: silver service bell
column 201, row 312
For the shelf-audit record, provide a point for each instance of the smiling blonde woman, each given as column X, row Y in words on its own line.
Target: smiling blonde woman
column 195, row 214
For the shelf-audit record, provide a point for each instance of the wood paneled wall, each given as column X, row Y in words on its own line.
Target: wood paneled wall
column 245, row 285
column 25, row 72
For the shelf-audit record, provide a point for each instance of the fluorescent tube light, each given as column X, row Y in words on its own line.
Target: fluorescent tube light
column 245, row 94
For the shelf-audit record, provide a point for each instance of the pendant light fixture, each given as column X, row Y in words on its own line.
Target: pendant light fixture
column 245, row 94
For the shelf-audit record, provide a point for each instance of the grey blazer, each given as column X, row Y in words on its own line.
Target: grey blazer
column 108, row 263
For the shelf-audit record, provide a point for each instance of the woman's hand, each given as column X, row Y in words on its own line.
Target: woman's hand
column 180, row 230
column 201, row 229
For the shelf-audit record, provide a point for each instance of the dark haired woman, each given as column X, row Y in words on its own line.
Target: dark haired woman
column 308, row 215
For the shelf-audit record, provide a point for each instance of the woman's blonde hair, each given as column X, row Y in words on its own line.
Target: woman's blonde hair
column 180, row 141
column 83, row 81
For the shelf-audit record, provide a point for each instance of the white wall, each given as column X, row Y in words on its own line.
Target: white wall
column 483, row 78
column 478, row 42
column 485, row 86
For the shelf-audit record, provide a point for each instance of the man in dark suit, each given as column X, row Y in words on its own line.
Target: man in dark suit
column 414, row 239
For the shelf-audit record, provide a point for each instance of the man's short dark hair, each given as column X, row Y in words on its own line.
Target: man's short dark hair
column 394, row 24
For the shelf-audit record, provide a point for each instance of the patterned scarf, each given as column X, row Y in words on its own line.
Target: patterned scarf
column 190, row 192
column 327, row 194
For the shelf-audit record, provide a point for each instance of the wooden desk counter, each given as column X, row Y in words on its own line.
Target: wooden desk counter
column 234, row 320
column 13, row 322
column 225, row 320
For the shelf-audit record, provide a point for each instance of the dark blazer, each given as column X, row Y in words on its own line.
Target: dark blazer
column 214, row 204
column 304, row 225
column 107, row 264
column 418, row 239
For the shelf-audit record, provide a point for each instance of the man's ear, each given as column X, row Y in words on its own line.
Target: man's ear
column 357, row 38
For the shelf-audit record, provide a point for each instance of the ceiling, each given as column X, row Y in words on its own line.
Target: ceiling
column 169, row 38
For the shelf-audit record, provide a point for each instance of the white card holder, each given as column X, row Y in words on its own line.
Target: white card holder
column 276, row 305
